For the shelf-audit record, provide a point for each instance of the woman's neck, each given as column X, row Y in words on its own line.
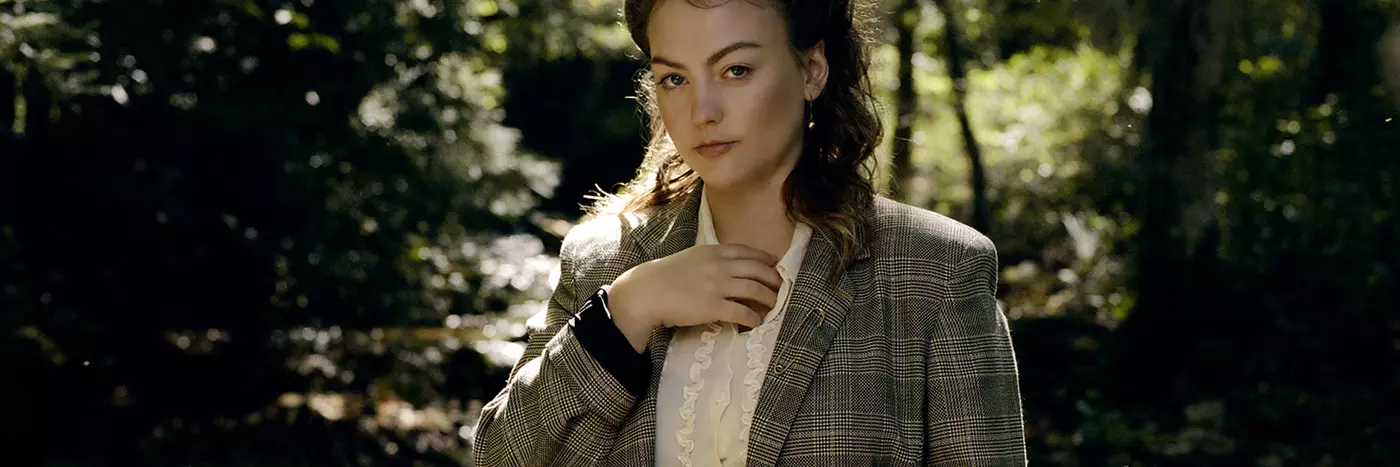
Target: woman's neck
column 753, row 217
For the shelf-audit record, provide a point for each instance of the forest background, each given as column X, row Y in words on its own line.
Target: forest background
column 265, row 232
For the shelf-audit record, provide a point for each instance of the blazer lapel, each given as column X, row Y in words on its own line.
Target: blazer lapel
column 815, row 312
column 669, row 230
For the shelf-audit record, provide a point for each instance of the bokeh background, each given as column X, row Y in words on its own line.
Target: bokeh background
column 309, row 232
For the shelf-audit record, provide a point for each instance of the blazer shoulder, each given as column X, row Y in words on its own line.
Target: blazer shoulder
column 601, row 247
column 591, row 237
column 904, row 230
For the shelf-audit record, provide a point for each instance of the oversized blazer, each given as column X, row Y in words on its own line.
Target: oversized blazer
column 906, row 360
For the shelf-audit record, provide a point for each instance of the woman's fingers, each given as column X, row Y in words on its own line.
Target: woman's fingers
column 738, row 251
column 752, row 290
column 748, row 269
column 737, row 313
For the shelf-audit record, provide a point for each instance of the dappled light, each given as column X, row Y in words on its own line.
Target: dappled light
column 314, row 232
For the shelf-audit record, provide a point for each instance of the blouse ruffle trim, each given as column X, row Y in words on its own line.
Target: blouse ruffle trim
column 692, row 391
column 753, row 381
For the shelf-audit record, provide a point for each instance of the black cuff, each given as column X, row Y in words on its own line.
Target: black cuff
column 599, row 335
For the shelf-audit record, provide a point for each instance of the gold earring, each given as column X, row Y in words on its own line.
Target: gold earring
column 811, row 119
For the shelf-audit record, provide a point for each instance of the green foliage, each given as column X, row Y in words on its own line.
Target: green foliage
column 297, row 233
column 254, row 232
column 1296, row 287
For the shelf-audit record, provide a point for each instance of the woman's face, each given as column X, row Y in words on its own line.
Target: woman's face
column 730, row 91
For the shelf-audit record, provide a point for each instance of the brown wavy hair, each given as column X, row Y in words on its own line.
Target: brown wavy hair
column 831, row 185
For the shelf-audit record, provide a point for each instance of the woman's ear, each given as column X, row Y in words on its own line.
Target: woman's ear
column 817, row 69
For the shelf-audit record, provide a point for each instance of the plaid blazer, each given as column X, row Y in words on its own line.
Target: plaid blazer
column 906, row 361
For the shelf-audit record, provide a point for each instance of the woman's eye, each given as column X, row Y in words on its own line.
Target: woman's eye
column 671, row 81
column 737, row 71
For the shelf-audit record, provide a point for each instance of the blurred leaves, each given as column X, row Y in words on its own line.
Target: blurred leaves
column 303, row 213
column 1060, row 100
column 310, row 232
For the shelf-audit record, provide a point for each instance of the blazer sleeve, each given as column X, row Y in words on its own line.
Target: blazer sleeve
column 974, row 403
column 560, row 405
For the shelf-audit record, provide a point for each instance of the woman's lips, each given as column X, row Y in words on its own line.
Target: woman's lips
column 715, row 149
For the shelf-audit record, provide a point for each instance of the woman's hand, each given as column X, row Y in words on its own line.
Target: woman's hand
column 702, row 284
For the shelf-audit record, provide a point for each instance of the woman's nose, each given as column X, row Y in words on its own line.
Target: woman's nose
column 707, row 108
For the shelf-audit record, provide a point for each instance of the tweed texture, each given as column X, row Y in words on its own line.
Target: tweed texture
column 906, row 360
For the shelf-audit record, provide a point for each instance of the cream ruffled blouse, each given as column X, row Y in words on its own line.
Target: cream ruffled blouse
column 709, row 367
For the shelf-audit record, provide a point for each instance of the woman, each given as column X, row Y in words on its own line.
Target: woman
column 749, row 299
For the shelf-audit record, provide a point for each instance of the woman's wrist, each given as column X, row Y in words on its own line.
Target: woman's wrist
column 628, row 319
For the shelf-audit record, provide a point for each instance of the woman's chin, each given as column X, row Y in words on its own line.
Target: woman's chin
column 719, row 181
column 733, row 180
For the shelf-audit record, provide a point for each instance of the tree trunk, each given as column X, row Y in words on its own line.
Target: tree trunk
column 1389, row 50
column 8, row 93
column 1185, row 47
column 902, row 170
column 37, row 105
column 1176, row 157
column 957, row 70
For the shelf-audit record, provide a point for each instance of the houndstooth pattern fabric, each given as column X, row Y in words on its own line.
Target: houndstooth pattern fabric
column 905, row 361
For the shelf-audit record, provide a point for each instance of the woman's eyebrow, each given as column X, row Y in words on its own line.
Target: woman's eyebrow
column 714, row 58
